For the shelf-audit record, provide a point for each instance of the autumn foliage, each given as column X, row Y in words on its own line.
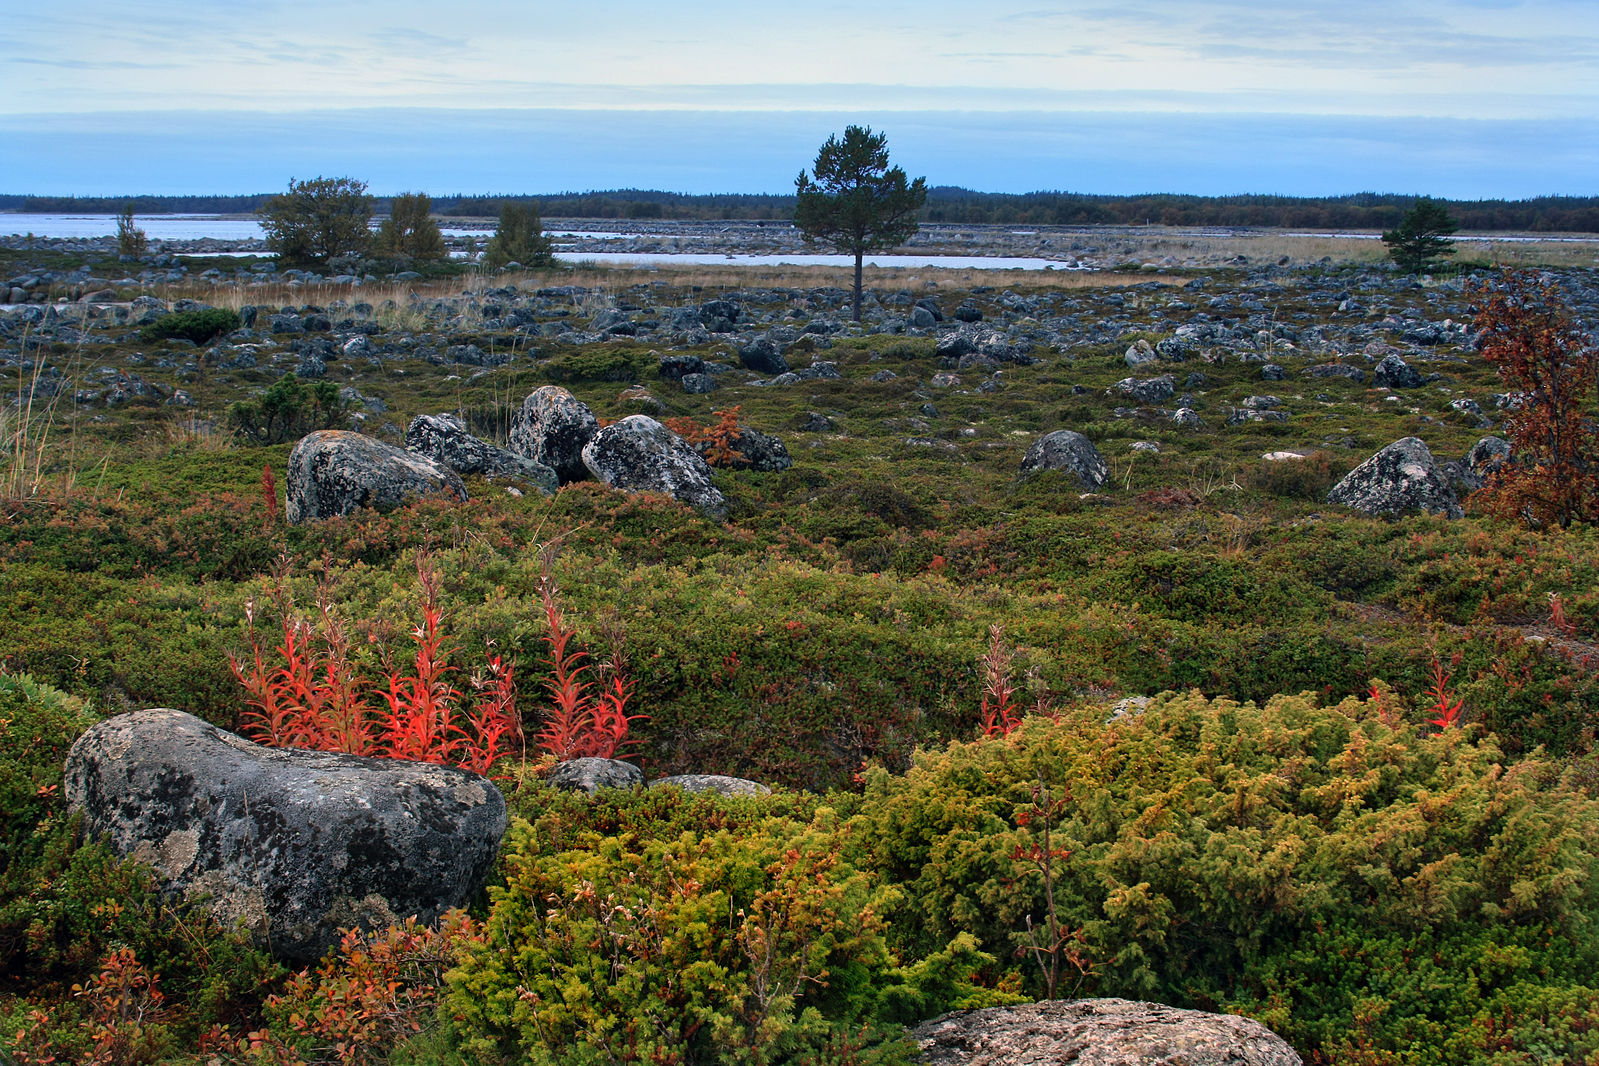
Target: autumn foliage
column 308, row 692
column 718, row 443
column 1548, row 364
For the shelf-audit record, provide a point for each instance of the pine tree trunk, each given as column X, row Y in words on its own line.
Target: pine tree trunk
column 858, row 285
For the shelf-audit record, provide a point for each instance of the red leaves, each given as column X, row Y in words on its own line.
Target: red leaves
column 314, row 697
column 587, row 717
column 1543, row 356
column 999, row 713
column 720, row 439
column 1446, row 709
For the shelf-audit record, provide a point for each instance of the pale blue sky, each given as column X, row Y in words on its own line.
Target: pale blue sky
column 1459, row 98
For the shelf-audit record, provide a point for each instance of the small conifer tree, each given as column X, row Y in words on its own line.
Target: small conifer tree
column 1422, row 238
column 519, row 239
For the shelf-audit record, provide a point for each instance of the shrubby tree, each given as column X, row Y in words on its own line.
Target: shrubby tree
column 1548, row 363
column 317, row 220
column 410, row 230
column 289, row 409
column 854, row 201
column 519, row 238
column 130, row 239
column 1422, row 237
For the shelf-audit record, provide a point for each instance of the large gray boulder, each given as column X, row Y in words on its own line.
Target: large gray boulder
column 444, row 439
column 1098, row 1032
column 761, row 451
column 337, row 472
column 1394, row 373
column 1401, row 478
column 295, row 844
column 1067, row 450
column 638, row 454
column 552, row 428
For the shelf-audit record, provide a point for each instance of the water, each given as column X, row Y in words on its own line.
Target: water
column 949, row 262
column 156, row 227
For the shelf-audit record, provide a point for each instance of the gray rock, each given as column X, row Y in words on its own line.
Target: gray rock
column 762, row 451
column 1188, row 418
column 1098, row 1032
column 590, row 775
column 444, row 439
column 552, row 428
column 336, row 472
column 1488, row 455
column 698, row 384
column 296, row 844
column 638, row 454
column 1336, row 370
column 762, row 356
column 1147, row 390
column 1403, row 477
column 1394, row 373
column 676, row 366
column 727, row 786
column 1272, row 372
column 922, row 318
column 1067, row 450
column 1140, row 354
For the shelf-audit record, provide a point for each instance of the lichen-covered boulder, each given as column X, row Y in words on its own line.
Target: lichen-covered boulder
column 761, row 451
column 638, row 454
column 336, row 472
column 551, row 428
column 1394, row 373
column 591, row 774
column 1098, row 1032
column 297, row 845
column 1147, row 390
column 1070, row 451
column 1401, row 478
column 444, row 439
column 727, row 786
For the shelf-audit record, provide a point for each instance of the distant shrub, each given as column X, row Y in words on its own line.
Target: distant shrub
column 196, row 326
column 519, row 238
column 1301, row 479
column 131, row 240
column 602, row 364
column 289, row 408
column 1364, row 890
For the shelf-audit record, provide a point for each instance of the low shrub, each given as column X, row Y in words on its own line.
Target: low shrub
column 197, row 326
column 1367, row 891
column 691, row 930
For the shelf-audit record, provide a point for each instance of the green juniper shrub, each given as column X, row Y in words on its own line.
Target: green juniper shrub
column 665, row 927
column 197, row 326
column 1364, row 890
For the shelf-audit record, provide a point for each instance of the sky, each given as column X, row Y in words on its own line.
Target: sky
column 1457, row 98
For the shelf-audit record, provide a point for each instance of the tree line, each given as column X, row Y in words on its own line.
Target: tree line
column 945, row 204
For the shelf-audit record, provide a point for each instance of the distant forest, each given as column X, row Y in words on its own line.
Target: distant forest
column 946, row 204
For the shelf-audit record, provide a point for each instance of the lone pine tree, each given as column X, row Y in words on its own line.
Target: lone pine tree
column 1422, row 237
column 854, row 201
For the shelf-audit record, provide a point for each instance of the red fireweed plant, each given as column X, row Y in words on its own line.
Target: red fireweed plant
column 309, row 693
column 587, row 714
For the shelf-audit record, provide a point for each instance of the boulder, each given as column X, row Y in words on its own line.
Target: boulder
column 336, row 472
column 762, row 451
column 590, row 775
column 1488, row 455
column 296, row 844
column 552, row 428
column 1147, row 390
column 1067, row 450
column 698, row 384
column 676, row 366
column 444, row 439
column 1098, row 1032
column 638, row 454
column 727, row 786
column 1394, row 373
column 1403, row 477
column 761, row 356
